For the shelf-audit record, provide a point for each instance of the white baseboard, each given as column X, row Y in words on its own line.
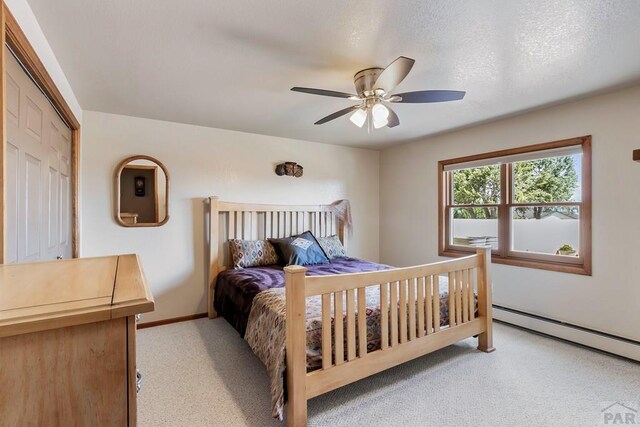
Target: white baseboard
column 593, row 339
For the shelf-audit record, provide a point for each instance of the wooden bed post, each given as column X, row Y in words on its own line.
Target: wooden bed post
column 214, row 262
column 296, row 346
column 485, row 339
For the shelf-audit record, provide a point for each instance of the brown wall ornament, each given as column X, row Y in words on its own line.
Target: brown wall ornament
column 289, row 169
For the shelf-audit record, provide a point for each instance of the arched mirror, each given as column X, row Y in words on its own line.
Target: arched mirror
column 142, row 192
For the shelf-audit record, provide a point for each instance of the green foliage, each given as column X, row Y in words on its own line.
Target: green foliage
column 545, row 180
column 566, row 248
column 476, row 186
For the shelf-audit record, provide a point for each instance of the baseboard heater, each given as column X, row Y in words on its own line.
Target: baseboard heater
column 602, row 341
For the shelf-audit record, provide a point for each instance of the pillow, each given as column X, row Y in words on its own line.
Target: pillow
column 252, row 253
column 332, row 246
column 302, row 249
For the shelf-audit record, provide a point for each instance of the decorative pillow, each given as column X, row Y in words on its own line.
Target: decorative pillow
column 252, row 253
column 302, row 249
column 332, row 246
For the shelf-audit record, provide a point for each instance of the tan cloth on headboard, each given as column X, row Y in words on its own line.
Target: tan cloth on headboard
column 342, row 210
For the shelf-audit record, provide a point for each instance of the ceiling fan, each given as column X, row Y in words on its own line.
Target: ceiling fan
column 373, row 87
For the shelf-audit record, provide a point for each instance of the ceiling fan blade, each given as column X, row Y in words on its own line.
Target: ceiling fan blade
column 323, row 92
column 424, row 96
column 337, row 114
column 394, row 74
column 393, row 119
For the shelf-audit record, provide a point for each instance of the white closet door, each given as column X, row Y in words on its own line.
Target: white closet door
column 38, row 173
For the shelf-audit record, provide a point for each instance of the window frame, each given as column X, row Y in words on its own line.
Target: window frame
column 504, row 254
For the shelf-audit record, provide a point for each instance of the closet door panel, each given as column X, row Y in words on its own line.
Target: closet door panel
column 39, row 153
column 31, row 216
column 11, row 191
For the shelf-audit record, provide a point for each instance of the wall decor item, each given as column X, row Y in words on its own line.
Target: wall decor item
column 636, row 155
column 289, row 169
column 138, row 184
column 141, row 192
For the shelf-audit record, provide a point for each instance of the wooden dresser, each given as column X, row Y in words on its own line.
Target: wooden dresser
column 68, row 341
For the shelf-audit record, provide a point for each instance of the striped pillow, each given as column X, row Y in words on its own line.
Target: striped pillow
column 252, row 253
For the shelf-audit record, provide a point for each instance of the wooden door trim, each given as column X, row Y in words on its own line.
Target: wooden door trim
column 14, row 37
column 3, row 142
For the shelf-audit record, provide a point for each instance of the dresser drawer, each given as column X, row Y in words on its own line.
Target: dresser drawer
column 68, row 376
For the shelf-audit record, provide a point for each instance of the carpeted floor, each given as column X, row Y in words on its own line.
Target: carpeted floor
column 201, row 373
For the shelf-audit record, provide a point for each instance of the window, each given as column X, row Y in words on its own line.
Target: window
column 532, row 205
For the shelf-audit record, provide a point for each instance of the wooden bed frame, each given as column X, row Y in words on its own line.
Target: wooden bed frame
column 410, row 297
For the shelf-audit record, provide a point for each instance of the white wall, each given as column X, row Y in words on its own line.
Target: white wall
column 21, row 10
column 204, row 162
column 609, row 300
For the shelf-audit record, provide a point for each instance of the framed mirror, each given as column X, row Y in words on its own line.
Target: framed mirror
column 141, row 192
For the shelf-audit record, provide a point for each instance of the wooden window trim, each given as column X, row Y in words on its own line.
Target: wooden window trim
column 14, row 37
column 580, row 265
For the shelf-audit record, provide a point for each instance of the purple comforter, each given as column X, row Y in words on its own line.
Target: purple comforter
column 235, row 289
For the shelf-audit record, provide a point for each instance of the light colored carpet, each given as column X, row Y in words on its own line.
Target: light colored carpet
column 201, row 373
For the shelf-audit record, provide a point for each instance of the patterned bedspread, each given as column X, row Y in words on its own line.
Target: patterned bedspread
column 236, row 289
column 266, row 332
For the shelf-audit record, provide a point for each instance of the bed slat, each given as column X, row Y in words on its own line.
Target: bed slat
column 412, row 309
column 326, row 331
column 428, row 305
column 267, row 225
column 472, row 299
column 393, row 308
column 384, row 316
column 458, row 297
column 436, row 302
column 232, row 225
column 246, row 229
column 452, row 299
column 338, row 315
column 327, row 224
column 403, row 311
column 291, row 229
column 362, row 322
column 331, row 224
column 420, row 304
column 300, row 222
column 465, row 296
column 351, row 325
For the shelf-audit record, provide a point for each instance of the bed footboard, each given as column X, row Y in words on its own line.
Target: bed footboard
column 409, row 321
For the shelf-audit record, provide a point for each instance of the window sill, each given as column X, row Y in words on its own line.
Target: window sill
column 526, row 263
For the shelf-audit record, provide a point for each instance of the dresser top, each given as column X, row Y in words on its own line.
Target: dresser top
column 54, row 294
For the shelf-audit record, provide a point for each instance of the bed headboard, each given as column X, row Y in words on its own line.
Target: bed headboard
column 247, row 221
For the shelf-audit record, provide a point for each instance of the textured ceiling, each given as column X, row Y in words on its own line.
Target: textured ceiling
column 230, row 64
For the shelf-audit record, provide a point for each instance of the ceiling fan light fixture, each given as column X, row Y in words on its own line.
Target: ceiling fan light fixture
column 359, row 117
column 380, row 123
column 373, row 87
column 380, row 113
